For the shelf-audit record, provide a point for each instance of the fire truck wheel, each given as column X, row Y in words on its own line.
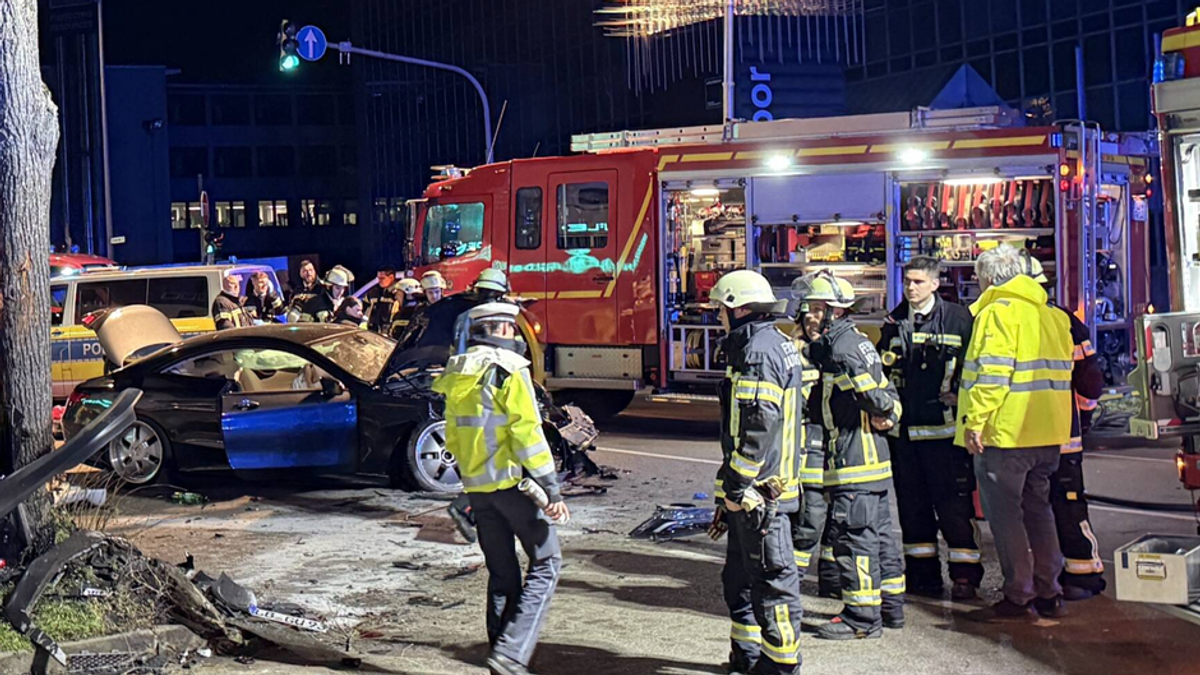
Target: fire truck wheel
column 599, row 404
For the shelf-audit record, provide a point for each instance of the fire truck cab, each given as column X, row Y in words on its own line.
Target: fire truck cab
column 619, row 245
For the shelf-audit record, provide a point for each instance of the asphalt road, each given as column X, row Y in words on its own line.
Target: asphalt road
column 390, row 561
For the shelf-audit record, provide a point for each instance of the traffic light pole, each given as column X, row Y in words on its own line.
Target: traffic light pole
column 347, row 48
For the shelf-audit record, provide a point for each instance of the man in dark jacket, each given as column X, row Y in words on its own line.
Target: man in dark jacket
column 922, row 346
column 262, row 304
column 762, row 432
column 858, row 405
column 1083, row 570
column 383, row 300
column 227, row 309
column 311, row 302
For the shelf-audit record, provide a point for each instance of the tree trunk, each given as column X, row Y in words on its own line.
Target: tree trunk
column 28, row 138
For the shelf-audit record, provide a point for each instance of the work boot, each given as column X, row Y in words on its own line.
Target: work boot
column 833, row 593
column 893, row 621
column 502, row 665
column 963, row 591
column 463, row 521
column 1007, row 610
column 837, row 629
column 1075, row 593
column 1050, row 608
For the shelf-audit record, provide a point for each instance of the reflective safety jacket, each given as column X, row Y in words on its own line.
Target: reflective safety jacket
column 227, row 312
column 762, row 408
column 1087, row 381
column 1016, row 384
column 493, row 427
column 852, row 389
column 312, row 304
column 923, row 358
column 381, row 304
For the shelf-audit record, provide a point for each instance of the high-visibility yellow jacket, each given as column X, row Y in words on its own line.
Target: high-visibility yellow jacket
column 493, row 427
column 1016, row 382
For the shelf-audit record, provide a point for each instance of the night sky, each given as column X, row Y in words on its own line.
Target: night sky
column 226, row 41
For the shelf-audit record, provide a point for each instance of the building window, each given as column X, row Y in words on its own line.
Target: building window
column 188, row 162
column 185, row 110
column 350, row 212
column 277, row 161
column 381, row 211
column 452, row 230
column 232, row 163
column 273, row 110
column 273, row 213
column 185, row 215
column 315, row 212
column 583, row 216
column 316, row 109
column 529, row 218
column 231, row 214
column 230, row 110
column 318, row 161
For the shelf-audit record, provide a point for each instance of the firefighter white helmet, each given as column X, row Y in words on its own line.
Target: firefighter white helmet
column 492, row 279
column 824, row 287
column 745, row 288
column 339, row 276
column 433, row 279
column 409, row 286
column 494, row 311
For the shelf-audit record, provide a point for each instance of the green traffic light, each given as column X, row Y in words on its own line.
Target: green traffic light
column 289, row 62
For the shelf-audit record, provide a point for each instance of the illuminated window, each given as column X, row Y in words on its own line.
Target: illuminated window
column 273, row 213
column 350, row 212
column 529, row 218
column 315, row 211
column 453, row 230
column 231, row 214
column 583, row 216
column 179, row 215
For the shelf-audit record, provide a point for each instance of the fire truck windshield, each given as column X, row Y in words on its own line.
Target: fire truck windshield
column 451, row 231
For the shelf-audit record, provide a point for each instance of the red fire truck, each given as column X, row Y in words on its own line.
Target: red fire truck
column 620, row 244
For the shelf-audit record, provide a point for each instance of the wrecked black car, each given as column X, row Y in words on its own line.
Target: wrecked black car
column 316, row 397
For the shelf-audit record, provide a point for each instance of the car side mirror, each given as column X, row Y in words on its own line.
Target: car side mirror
column 331, row 387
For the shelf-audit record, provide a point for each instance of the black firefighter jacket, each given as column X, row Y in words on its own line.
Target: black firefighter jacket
column 762, row 421
column 924, row 359
column 852, row 389
column 227, row 312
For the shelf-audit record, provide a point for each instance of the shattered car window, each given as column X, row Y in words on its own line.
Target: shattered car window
column 362, row 353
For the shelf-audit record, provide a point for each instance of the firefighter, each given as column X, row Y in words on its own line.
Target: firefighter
column 412, row 300
column 1083, row 569
column 311, row 302
column 434, row 285
column 762, row 432
column 262, row 304
column 383, row 300
column 338, row 281
column 922, row 346
column 494, row 431
column 858, row 404
column 227, row 310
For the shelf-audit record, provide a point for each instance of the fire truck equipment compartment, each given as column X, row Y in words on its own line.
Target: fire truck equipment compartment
column 1160, row 568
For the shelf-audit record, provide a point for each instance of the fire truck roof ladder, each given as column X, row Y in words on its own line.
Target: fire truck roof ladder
column 990, row 117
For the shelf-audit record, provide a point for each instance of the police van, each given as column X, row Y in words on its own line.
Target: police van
column 183, row 293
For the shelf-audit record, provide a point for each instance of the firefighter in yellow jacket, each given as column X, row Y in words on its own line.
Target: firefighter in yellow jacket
column 494, row 431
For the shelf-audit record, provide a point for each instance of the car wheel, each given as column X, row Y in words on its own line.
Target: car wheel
column 428, row 465
column 140, row 454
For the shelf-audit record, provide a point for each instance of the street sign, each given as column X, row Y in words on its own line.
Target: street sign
column 312, row 43
column 117, row 240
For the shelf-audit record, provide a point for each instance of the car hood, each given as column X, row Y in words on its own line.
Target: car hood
column 130, row 333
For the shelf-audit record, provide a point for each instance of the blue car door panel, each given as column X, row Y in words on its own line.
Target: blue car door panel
column 290, row 429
